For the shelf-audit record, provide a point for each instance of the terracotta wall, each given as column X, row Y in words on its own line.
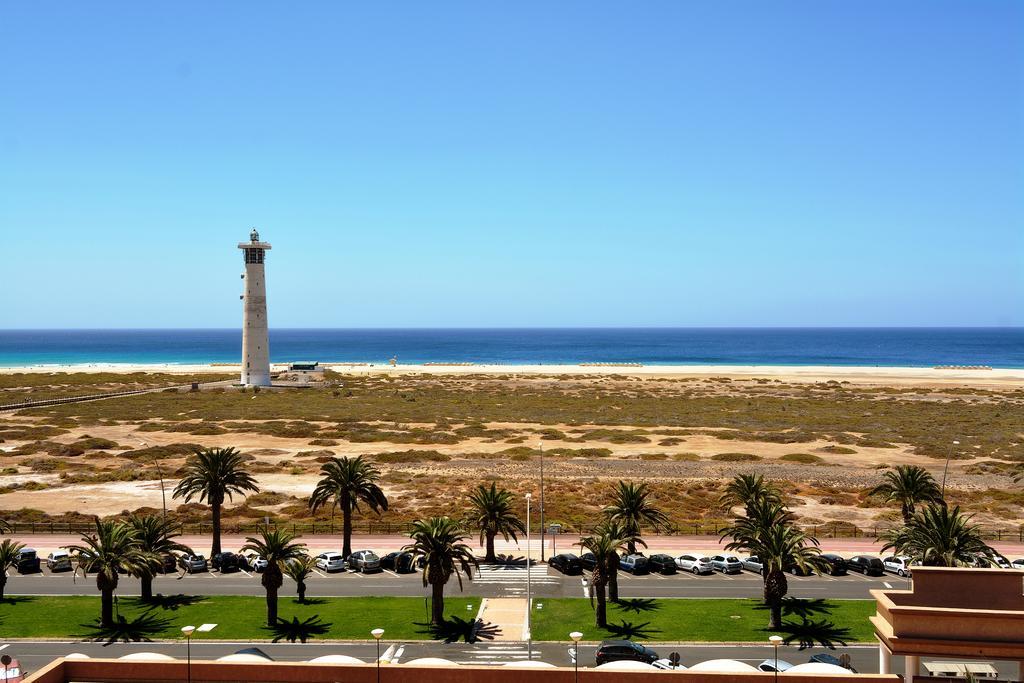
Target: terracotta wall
column 104, row 670
column 998, row 589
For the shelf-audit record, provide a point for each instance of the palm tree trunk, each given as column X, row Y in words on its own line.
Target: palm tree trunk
column 271, row 606
column 302, row 591
column 775, row 589
column 3, row 585
column 612, row 577
column 346, row 526
column 489, row 557
column 106, row 608
column 436, row 603
column 146, row 581
column 215, row 508
column 601, row 613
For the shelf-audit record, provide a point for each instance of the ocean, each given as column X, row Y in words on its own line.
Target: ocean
column 907, row 347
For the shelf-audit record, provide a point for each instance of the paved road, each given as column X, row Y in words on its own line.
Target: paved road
column 487, row 582
column 34, row 655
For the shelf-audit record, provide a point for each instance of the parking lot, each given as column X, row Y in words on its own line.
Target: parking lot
column 488, row 581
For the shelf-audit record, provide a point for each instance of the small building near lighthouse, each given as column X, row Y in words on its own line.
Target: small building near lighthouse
column 255, row 329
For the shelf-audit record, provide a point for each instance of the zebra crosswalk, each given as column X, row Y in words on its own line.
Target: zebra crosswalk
column 512, row 580
column 500, row 652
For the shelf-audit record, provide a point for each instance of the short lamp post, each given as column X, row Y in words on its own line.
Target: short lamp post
column 187, row 631
column 776, row 641
column 377, row 633
column 576, row 635
column 529, row 629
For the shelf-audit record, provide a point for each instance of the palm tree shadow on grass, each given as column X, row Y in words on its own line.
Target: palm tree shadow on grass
column 170, row 602
column 455, row 629
column 309, row 601
column 628, row 630
column 142, row 628
column 638, row 605
column 806, row 628
column 296, row 630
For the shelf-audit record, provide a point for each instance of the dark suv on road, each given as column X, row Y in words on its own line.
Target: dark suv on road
column 226, row 562
column 398, row 562
column 866, row 565
column 625, row 650
column 567, row 563
column 27, row 562
column 661, row 564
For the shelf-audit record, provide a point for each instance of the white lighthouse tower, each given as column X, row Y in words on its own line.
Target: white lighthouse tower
column 255, row 342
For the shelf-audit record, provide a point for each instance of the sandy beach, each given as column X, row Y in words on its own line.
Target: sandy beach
column 793, row 373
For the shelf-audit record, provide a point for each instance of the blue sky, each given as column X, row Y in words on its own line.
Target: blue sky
column 514, row 164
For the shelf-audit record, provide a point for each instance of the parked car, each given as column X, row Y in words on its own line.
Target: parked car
column 567, row 563
column 825, row 658
column 1001, row 562
column 697, row 564
column 168, row 563
column 364, row 561
column 834, row 564
column 28, row 562
column 661, row 564
column 588, row 561
column 727, row 564
column 797, row 570
column 867, row 565
column 226, row 562
column 253, row 561
column 330, row 562
column 1018, row 563
column 192, row 563
column 753, row 564
column 58, row 561
column 770, row 665
column 398, row 562
column 634, row 564
column 624, row 650
column 897, row 565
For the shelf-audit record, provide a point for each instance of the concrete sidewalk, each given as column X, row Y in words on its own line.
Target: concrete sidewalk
column 508, row 615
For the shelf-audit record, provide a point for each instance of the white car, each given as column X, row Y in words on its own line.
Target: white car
column 698, row 564
column 330, row 562
column 255, row 562
column 897, row 565
column 1018, row 563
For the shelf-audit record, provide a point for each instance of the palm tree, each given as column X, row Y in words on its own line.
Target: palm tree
column 112, row 550
column 770, row 534
column 939, row 537
column 605, row 549
column 439, row 541
column 631, row 506
column 298, row 570
column 9, row 553
column 908, row 485
column 616, row 530
column 347, row 482
column 278, row 548
column 492, row 513
column 747, row 490
column 156, row 537
column 211, row 475
column 5, row 526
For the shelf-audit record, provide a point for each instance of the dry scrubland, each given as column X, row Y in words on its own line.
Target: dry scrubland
column 435, row 436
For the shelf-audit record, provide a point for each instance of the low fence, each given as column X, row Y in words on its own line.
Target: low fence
column 384, row 528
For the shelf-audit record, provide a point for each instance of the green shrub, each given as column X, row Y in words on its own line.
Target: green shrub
column 736, row 457
column 802, row 458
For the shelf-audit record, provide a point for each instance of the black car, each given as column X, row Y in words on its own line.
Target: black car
column 661, row 564
column 226, row 562
column 867, row 565
column 834, row 565
column 567, row 563
column 625, row 650
column 797, row 570
column 588, row 561
column 27, row 562
column 398, row 562
column 168, row 563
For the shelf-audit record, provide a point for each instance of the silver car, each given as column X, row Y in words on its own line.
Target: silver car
column 698, row 564
column 753, row 564
column 364, row 561
column 193, row 563
column 727, row 564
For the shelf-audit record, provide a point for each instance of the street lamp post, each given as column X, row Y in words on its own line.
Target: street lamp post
column 776, row 641
column 377, row 633
column 949, row 454
column 188, row 631
column 529, row 555
column 576, row 635
column 541, row 446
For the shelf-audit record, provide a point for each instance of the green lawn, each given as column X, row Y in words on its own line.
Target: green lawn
column 711, row 620
column 242, row 617
column 238, row 617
